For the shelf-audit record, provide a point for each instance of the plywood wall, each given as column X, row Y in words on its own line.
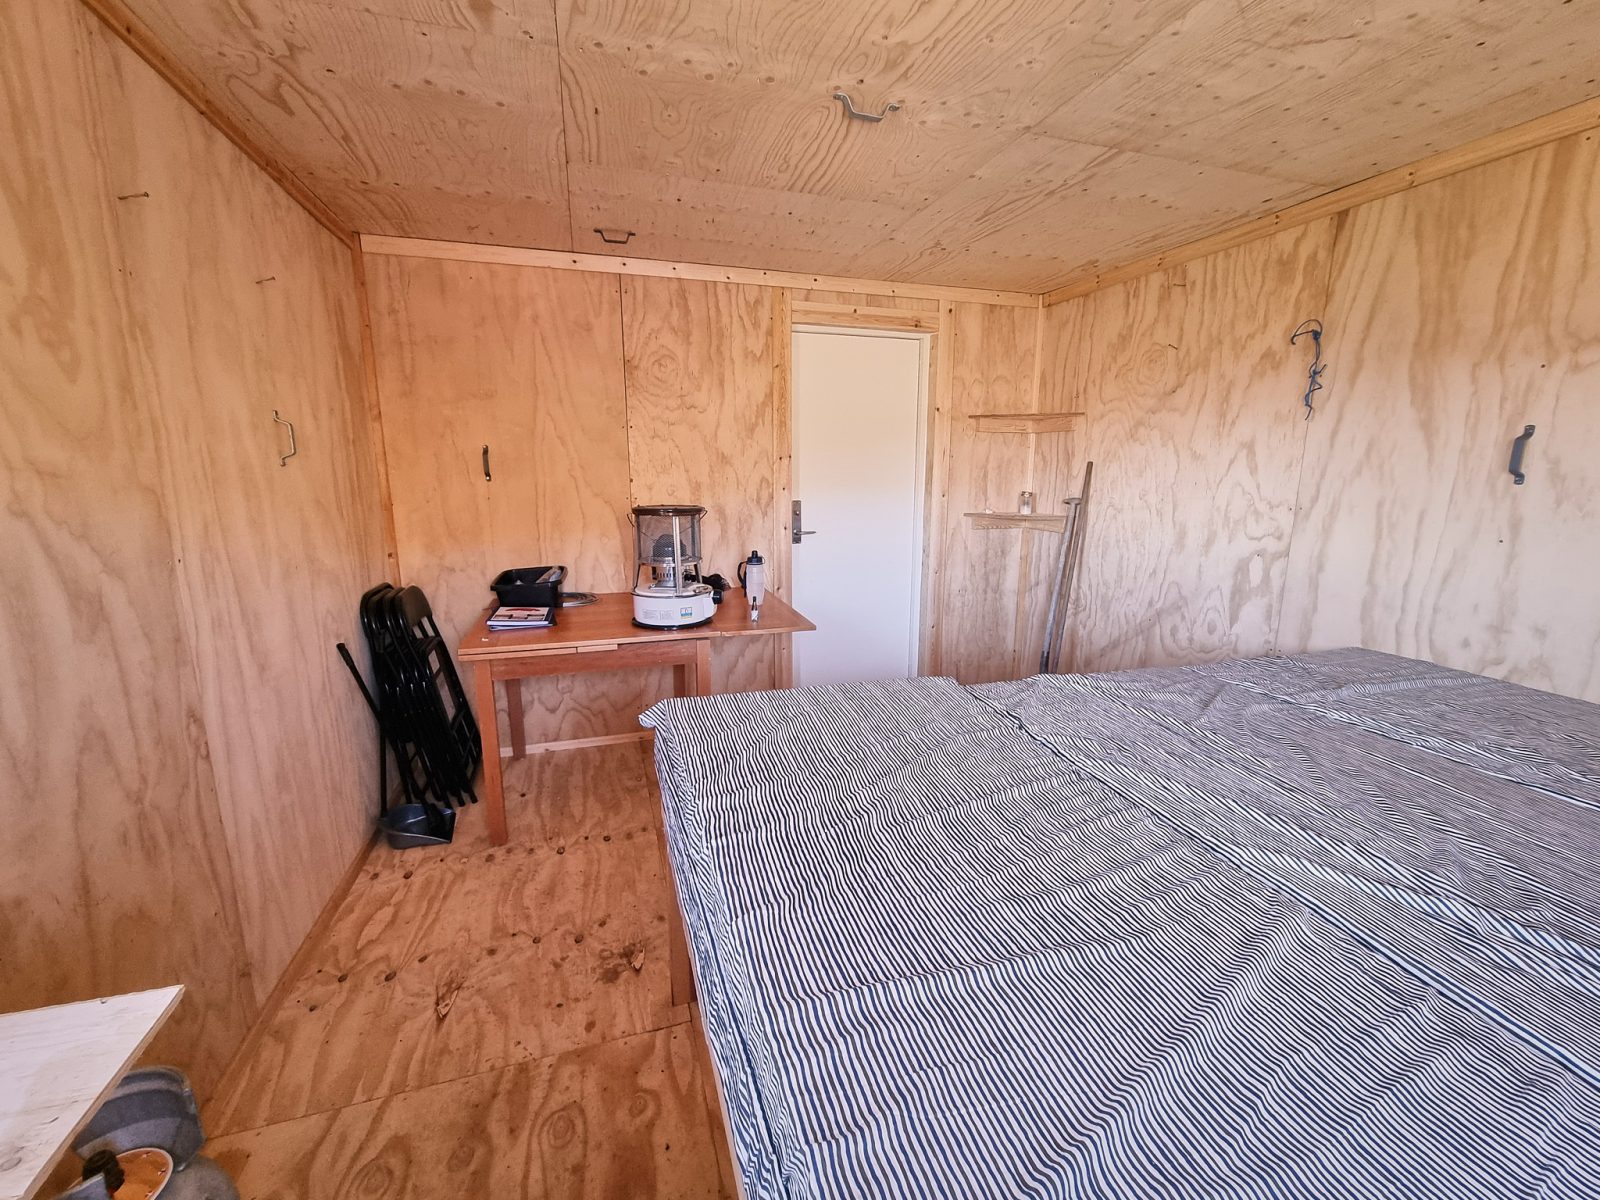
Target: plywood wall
column 701, row 415
column 1196, row 430
column 595, row 393
column 985, row 584
column 188, row 769
column 1456, row 313
column 1460, row 313
column 677, row 391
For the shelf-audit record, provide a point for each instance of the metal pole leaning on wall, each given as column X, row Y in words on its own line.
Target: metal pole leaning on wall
column 1066, row 574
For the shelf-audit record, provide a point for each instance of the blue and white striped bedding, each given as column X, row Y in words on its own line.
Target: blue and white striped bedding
column 1322, row 926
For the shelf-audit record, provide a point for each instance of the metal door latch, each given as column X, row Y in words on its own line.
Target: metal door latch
column 795, row 532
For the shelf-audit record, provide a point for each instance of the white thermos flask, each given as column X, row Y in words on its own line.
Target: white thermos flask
column 753, row 578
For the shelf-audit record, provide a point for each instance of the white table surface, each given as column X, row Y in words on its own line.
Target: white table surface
column 56, row 1065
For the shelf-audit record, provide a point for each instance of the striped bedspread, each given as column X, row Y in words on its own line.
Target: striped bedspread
column 1323, row 926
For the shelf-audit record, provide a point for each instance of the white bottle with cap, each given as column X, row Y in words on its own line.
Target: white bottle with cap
column 753, row 578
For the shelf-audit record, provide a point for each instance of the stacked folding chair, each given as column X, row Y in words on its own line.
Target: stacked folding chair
column 423, row 717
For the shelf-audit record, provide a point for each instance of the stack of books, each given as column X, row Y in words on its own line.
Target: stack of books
column 521, row 618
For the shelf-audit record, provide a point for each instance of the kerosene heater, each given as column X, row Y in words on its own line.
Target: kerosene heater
column 667, row 591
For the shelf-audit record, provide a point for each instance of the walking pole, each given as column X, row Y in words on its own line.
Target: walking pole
column 1080, row 518
column 1068, row 528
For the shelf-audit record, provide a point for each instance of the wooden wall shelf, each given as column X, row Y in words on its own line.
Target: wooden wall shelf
column 1051, row 522
column 1054, row 422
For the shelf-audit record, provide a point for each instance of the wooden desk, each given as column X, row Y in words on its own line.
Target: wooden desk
column 57, row 1065
column 595, row 637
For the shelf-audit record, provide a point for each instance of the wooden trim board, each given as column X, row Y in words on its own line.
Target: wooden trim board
column 1577, row 118
column 120, row 19
column 863, row 316
column 608, row 739
column 608, row 264
column 1029, row 422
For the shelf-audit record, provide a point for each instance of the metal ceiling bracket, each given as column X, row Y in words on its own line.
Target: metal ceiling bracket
column 614, row 237
column 855, row 114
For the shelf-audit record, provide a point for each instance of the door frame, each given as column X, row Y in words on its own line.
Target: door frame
column 914, row 329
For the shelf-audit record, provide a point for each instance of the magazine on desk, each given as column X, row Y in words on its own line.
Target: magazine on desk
column 522, row 618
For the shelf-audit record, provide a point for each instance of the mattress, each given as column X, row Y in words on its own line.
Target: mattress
column 1304, row 927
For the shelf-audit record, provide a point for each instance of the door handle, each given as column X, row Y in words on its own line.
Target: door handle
column 1518, row 445
column 795, row 532
column 283, row 459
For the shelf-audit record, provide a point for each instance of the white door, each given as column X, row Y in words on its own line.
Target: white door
column 858, row 453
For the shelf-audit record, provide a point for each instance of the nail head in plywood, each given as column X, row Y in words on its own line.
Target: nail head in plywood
column 1056, row 422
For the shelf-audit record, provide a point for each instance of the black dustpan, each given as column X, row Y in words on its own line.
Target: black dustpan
column 408, row 825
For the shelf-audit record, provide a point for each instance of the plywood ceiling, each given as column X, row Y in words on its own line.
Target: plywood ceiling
column 1038, row 139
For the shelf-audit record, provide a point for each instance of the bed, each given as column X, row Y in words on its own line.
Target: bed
column 1315, row 926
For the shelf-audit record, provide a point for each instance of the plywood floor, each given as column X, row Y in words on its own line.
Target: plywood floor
column 489, row 1021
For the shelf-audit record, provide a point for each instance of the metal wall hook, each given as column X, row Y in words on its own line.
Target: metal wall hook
column 1312, row 329
column 487, row 478
column 855, row 114
column 614, row 237
column 1518, row 445
column 283, row 459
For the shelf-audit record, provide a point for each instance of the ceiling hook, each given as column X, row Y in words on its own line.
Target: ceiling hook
column 856, row 114
column 614, row 237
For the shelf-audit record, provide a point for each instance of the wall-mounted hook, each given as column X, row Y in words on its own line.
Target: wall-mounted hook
column 283, row 459
column 614, row 237
column 1518, row 445
column 487, row 478
column 1312, row 329
column 855, row 114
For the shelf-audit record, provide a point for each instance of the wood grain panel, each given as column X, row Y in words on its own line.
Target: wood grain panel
column 551, row 947
column 623, row 1118
column 983, row 577
column 1389, row 86
column 1460, row 312
column 1196, row 434
column 1058, row 464
column 393, row 114
column 119, row 878
column 699, row 360
column 529, row 362
column 246, row 307
column 528, row 948
column 1037, row 143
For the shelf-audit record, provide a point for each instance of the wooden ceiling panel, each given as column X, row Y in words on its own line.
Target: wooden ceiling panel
column 772, row 138
column 432, row 212
column 400, row 117
column 1065, row 202
column 976, row 65
column 1039, row 140
column 499, row 18
column 688, row 220
column 1332, row 93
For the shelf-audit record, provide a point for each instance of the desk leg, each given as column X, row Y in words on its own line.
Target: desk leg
column 693, row 678
column 494, row 796
column 680, row 969
column 519, row 729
